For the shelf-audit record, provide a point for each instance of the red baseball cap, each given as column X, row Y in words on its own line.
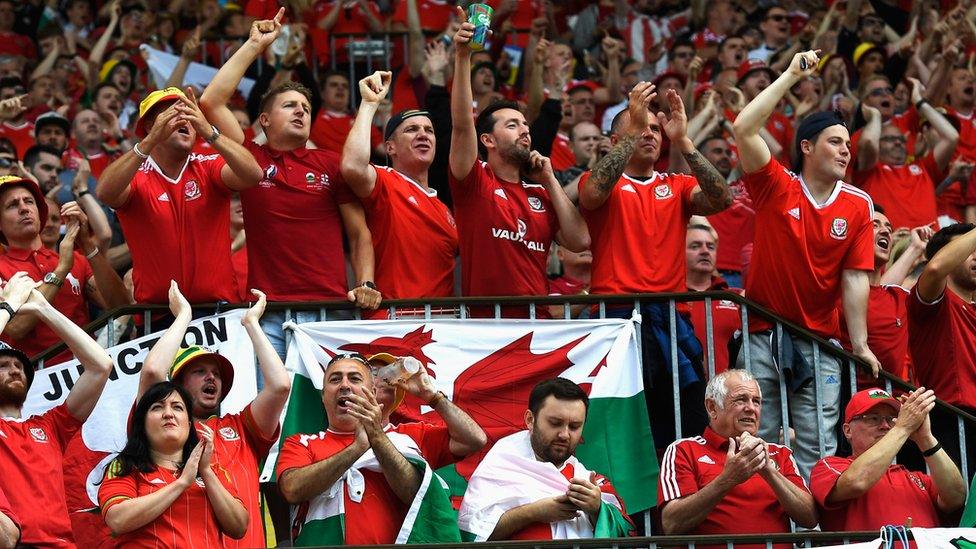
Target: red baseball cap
column 670, row 74
column 576, row 84
column 750, row 66
column 867, row 400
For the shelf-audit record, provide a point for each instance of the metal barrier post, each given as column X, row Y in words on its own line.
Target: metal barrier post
column 532, row 310
column 819, row 398
column 784, row 405
column 852, row 367
column 675, row 385
column 963, row 461
column 746, row 359
column 709, row 338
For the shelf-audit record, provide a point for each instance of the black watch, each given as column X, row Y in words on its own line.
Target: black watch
column 369, row 284
column 6, row 307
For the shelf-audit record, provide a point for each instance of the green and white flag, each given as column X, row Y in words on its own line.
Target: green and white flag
column 488, row 368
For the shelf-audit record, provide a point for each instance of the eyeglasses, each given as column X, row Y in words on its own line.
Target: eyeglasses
column 779, row 18
column 874, row 420
column 894, row 139
column 881, row 91
column 348, row 356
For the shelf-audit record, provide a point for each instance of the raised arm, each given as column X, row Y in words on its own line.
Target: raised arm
column 160, row 358
column 217, row 96
column 467, row 437
column 753, row 152
column 356, row 169
column 932, row 283
column 402, row 477
column 301, row 484
column 267, row 405
column 464, row 138
column 600, row 184
column 573, row 232
column 228, row 510
column 98, row 50
column 899, row 271
column 96, row 362
column 945, row 146
column 113, row 185
column 868, row 143
column 187, row 53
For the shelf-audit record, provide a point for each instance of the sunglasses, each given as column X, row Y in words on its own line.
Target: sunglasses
column 348, row 356
column 881, row 91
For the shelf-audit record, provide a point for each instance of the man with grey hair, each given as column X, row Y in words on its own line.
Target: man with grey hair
column 729, row 481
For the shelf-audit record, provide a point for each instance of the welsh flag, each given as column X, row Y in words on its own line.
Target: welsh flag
column 488, row 368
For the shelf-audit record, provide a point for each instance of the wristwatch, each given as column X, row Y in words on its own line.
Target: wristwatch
column 6, row 307
column 213, row 137
column 369, row 284
column 52, row 278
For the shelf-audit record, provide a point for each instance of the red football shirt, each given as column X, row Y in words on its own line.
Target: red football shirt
column 97, row 162
column 187, row 522
column 636, row 247
column 813, row 243
column 434, row 14
column 736, row 228
column 374, row 520
column 433, row 440
column 70, row 299
column 943, row 346
column 7, row 510
column 179, row 229
column 240, row 448
column 906, row 192
column 899, row 493
column 726, row 321
column 414, row 238
column 294, row 210
column 21, row 136
column 749, row 508
column 781, row 128
column 12, row 43
column 505, row 229
column 30, row 458
column 887, row 332
column 967, row 134
column 330, row 129
column 562, row 156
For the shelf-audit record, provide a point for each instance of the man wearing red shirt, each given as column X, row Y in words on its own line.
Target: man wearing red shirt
column 241, row 440
column 173, row 205
column 818, row 229
column 942, row 339
column 700, row 252
column 13, row 43
column 334, row 120
column 32, row 451
column 888, row 301
column 414, row 234
column 865, row 491
column 906, row 190
column 735, row 226
column 16, row 127
column 531, row 485
column 88, row 131
column 301, row 193
column 505, row 223
column 69, row 280
column 314, row 469
column 634, row 213
column 729, row 480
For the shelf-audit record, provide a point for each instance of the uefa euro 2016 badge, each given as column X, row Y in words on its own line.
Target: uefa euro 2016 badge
column 191, row 190
column 838, row 228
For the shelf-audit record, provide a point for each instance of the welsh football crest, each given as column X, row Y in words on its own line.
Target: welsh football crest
column 228, row 433
column 38, row 434
column 191, row 190
column 662, row 191
column 838, row 228
column 536, row 204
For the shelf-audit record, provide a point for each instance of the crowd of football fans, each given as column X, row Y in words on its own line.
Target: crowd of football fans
column 815, row 157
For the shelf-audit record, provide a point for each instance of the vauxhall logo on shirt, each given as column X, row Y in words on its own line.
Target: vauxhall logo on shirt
column 519, row 236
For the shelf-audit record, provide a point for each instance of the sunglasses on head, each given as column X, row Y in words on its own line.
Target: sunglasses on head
column 348, row 356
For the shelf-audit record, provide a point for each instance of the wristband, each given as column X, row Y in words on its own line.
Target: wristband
column 4, row 306
column 439, row 396
column 933, row 450
column 139, row 153
column 919, row 103
column 92, row 254
column 82, row 193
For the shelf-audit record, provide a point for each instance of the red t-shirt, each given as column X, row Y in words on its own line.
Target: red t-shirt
column 414, row 238
column 736, row 228
column 12, row 43
column 179, row 229
column 7, row 510
column 887, row 332
column 566, row 285
column 562, row 156
column 240, row 448
column 726, row 321
column 70, row 299
column 505, row 230
column 907, row 122
column 434, row 14
column 188, row 522
column 21, row 136
column 636, row 247
column 294, row 210
column 898, row 494
column 30, row 458
column 943, row 346
column 330, row 129
column 813, row 243
column 261, row 9
column 376, row 519
column 238, row 260
column 906, row 192
column 97, row 162
column 749, row 508
column 781, row 128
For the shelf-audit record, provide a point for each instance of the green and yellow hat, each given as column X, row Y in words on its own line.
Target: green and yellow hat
column 189, row 355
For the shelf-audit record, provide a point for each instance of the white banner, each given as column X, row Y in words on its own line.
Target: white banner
column 162, row 64
column 105, row 430
column 941, row 538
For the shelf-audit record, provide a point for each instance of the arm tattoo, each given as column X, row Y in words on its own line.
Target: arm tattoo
column 611, row 167
column 715, row 195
